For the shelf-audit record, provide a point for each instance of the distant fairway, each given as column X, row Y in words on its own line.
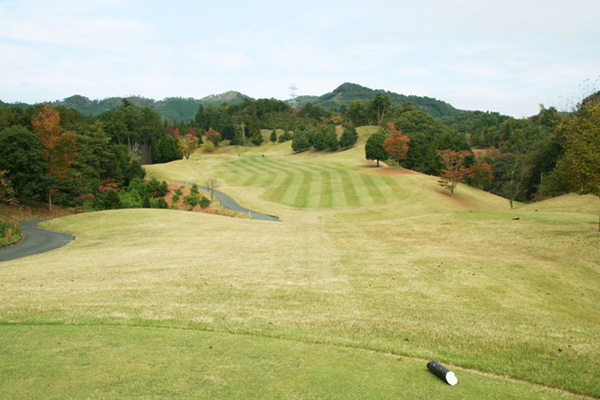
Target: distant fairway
column 310, row 184
column 371, row 273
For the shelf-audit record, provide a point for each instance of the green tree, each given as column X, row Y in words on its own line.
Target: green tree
column 331, row 140
column 349, row 137
column 253, row 128
column 273, row 137
column 356, row 114
column 111, row 200
column 23, row 160
column 319, row 141
column 300, row 142
column 377, row 109
column 581, row 141
column 284, row 137
column 257, row 138
column 374, row 148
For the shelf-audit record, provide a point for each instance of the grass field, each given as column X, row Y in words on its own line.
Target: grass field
column 370, row 274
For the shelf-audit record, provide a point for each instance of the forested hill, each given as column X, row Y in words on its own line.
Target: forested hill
column 345, row 93
column 184, row 109
column 171, row 108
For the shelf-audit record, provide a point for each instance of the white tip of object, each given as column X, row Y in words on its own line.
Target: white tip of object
column 451, row 378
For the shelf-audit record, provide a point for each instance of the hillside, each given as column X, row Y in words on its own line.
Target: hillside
column 570, row 202
column 171, row 108
column 345, row 93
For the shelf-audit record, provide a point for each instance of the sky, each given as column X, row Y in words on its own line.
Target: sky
column 506, row 56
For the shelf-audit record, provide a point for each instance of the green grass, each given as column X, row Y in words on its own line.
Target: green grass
column 60, row 362
column 370, row 274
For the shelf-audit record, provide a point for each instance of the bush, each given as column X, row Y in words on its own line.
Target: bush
column 284, row 137
column 111, row 200
column 161, row 203
column 208, row 147
column 9, row 232
column 157, row 189
column 204, row 202
column 191, row 200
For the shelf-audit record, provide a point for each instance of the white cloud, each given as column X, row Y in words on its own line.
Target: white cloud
column 73, row 23
column 500, row 54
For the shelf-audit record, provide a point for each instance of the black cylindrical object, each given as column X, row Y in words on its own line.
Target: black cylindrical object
column 442, row 372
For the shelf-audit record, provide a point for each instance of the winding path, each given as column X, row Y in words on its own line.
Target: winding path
column 230, row 204
column 38, row 240
column 35, row 241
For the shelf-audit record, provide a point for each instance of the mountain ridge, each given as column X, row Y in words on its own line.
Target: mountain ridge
column 180, row 108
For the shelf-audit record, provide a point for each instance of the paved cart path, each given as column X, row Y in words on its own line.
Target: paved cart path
column 36, row 241
column 230, row 204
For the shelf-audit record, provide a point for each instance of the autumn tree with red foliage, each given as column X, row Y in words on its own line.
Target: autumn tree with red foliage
column 58, row 146
column 213, row 136
column 396, row 145
column 453, row 171
column 7, row 192
column 481, row 174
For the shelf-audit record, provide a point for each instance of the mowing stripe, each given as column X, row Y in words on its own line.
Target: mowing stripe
column 397, row 191
column 349, row 190
column 265, row 172
column 303, row 191
column 233, row 173
column 326, row 200
column 277, row 193
column 305, row 184
column 373, row 189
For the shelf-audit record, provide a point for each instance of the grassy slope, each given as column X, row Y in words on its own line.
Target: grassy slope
column 196, row 305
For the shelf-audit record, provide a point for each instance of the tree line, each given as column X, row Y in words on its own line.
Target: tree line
column 526, row 159
column 58, row 154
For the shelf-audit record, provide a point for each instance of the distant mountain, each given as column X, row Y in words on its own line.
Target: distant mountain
column 169, row 108
column 180, row 108
column 345, row 93
column 231, row 98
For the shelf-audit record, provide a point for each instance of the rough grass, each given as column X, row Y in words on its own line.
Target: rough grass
column 321, row 305
column 477, row 290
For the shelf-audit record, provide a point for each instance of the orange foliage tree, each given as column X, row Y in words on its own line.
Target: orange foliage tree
column 453, row 171
column 481, row 174
column 58, row 146
column 396, row 145
column 213, row 136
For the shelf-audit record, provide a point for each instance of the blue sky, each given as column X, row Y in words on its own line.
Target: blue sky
column 507, row 56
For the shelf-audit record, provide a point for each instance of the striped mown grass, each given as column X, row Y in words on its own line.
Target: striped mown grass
column 311, row 183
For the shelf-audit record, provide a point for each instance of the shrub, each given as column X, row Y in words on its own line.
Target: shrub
column 191, row 200
column 204, row 202
column 208, row 147
column 111, row 200
column 161, row 203
column 157, row 189
column 10, row 232
column 284, row 137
